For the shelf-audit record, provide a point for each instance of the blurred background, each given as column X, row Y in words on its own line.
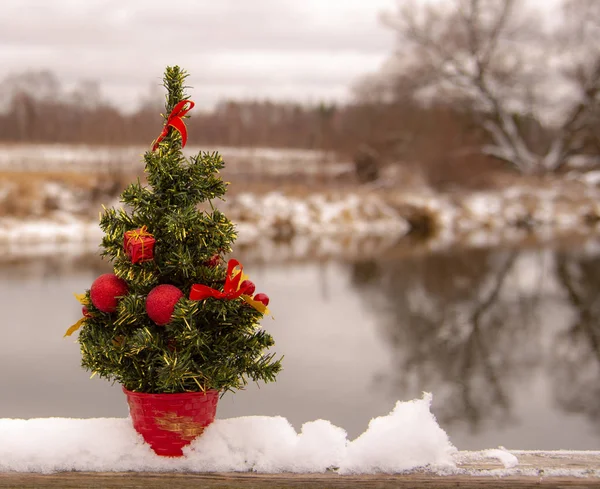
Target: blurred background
column 415, row 184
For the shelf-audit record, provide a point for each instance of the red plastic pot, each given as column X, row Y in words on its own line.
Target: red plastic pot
column 168, row 422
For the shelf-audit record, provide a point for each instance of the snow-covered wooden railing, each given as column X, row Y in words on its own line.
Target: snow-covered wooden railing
column 250, row 450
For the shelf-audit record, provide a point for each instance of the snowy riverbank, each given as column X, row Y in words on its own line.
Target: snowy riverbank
column 53, row 193
column 508, row 215
column 327, row 220
column 343, row 225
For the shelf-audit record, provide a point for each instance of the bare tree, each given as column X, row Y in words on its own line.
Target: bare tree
column 579, row 40
column 511, row 66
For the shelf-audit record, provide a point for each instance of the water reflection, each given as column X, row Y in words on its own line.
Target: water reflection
column 576, row 350
column 476, row 328
column 506, row 340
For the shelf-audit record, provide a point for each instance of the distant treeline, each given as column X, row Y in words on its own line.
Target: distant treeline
column 400, row 131
column 439, row 142
column 38, row 109
column 32, row 120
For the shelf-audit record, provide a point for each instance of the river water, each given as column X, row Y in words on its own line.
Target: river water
column 507, row 341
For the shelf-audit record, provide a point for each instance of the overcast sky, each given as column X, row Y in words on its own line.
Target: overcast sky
column 307, row 50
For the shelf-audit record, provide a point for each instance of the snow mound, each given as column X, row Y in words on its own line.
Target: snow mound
column 406, row 439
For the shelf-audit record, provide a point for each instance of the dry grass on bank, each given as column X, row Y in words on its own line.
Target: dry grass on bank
column 26, row 194
column 520, row 203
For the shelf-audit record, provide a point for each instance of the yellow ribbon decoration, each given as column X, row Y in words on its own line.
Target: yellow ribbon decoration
column 259, row 306
column 138, row 233
column 81, row 298
column 75, row 327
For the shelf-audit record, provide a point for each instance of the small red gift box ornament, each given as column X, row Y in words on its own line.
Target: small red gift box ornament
column 139, row 245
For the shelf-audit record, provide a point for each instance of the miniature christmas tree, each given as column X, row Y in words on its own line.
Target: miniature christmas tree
column 174, row 317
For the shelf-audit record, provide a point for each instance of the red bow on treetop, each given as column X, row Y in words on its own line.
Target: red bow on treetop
column 231, row 289
column 175, row 121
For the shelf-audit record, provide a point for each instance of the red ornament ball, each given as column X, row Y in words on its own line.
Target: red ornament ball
column 213, row 261
column 106, row 290
column 247, row 287
column 85, row 312
column 160, row 303
column 264, row 298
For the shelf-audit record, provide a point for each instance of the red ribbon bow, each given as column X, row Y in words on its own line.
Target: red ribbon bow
column 231, row 289
column 175, row 121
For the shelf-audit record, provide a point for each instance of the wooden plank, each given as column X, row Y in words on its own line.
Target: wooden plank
column 535, row 469
column 535, row 460
column 260, row 481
